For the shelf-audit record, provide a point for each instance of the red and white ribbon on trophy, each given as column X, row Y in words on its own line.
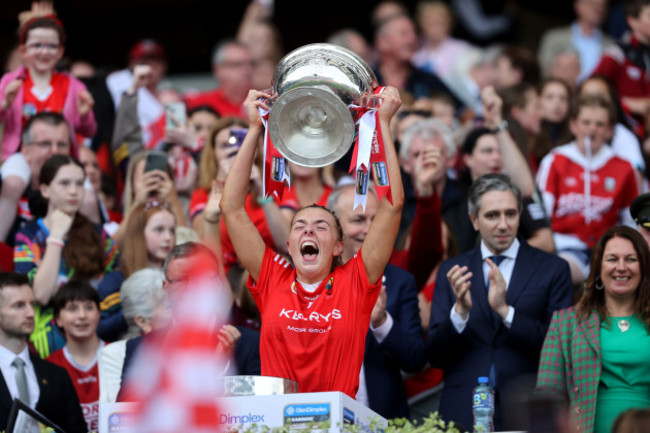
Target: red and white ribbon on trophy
column 275, row 172
column 369, row 152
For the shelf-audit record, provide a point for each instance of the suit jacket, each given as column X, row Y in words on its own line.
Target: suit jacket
column 247, row 352
column 402, row 349
column 539, row 286
column 57, row 401
column 570, row 365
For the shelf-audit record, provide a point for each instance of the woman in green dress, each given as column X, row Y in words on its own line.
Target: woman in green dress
column 596, row 355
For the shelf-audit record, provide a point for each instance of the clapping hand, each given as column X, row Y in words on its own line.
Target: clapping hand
column 459, row 279
column 497, row 290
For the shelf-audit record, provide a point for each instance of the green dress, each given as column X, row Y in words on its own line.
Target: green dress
column 625, row 377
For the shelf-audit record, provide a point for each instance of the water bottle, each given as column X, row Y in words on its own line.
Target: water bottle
column 483, row 405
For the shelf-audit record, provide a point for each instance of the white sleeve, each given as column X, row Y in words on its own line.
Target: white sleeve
column 110, row 363
column 16, row 165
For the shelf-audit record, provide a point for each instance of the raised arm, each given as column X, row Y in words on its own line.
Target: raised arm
column 378, row 245
column 245, row 238
column 514, row 162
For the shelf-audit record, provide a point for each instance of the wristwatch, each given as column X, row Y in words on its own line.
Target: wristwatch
column 501, row 126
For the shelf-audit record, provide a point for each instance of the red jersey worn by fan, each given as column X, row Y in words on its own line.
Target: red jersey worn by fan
column 625, row 65
column 580, row 210
column 255, row 213
column 317, row 339
column 217, row 100
column 290, row 199
column 86, row 383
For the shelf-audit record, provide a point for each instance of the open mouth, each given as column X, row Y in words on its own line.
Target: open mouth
column 309, row 250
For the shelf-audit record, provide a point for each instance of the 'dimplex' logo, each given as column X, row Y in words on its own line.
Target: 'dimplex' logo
column 250, row 418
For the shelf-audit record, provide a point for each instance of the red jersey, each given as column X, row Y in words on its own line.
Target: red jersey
column 317, row 339
column 217, row 100
column 255, row 213
column 51, row 100
column 290, row 200
column 625, row 66
column 86, row 383
column 586, row 209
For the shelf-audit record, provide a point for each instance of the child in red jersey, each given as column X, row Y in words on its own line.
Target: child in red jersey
column 37, row 87
column 76, row 312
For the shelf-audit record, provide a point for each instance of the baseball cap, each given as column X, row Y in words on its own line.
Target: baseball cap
column 147, row 49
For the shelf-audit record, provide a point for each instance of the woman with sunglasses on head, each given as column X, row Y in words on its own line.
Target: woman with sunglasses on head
column 149, row 235
column 596, row 355
column 60, row 245
column 316, row 313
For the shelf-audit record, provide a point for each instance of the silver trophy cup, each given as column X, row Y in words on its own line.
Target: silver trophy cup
column 310, row 122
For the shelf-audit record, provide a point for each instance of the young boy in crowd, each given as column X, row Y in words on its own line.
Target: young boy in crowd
column 76, row 312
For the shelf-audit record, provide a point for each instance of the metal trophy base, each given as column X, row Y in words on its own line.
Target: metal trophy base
column 235, row 386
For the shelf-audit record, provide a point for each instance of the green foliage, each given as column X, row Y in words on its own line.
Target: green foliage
column 431, row 424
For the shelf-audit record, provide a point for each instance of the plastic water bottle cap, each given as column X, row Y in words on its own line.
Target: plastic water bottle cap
column 483, row 379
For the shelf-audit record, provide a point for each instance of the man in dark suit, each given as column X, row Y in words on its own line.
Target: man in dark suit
column 492, row 306
column 38, row 383
column 395, row 340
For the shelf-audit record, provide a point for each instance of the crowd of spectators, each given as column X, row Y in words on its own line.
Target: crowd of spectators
column 525, row 206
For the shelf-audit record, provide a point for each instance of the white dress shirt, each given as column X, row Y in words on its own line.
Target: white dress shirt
column 9, row 374
column 506, row 267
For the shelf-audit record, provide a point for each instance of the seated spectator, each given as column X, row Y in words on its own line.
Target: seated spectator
column 61, row 244
column 37, row 87
column 146, row 309
column 149, row 235
column 586, row 188
column 48, row 387
column 76, row 312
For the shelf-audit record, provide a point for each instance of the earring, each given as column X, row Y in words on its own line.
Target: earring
column 598, row 284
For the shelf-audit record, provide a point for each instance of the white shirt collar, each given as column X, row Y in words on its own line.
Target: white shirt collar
column 510, row 252
column 7, row 356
